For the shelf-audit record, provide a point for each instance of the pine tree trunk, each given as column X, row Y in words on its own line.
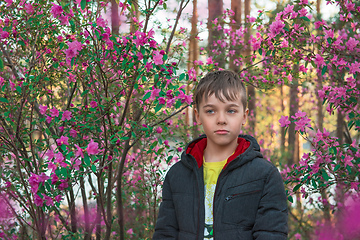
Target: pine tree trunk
column 236, row 8
column 294, row 107
column 215, row 11
column 282, row 131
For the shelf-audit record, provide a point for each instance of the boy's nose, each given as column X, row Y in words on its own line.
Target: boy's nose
column 221, row 119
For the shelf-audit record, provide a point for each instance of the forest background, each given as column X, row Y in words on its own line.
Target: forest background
column 96, row 96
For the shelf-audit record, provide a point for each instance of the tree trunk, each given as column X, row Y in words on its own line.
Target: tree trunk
column 282, row 131
column 87, row 233
column 193, row 55
column 215, row 11
column 115, row 19
column 294, row 107
column 137, row 15
column 318, row 3
column 236, row 8
column 247, row 52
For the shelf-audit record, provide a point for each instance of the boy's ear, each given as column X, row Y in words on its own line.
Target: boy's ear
column 246, row 114
column 197, row 117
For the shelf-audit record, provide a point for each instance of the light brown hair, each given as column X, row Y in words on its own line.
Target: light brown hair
column 222, row 83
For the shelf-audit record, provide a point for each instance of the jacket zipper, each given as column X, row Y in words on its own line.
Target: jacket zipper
column 217, row 183
column 232, row 196
column 198, row 220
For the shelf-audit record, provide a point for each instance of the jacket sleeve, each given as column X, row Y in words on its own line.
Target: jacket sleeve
column 166, row 225
column 272, row 214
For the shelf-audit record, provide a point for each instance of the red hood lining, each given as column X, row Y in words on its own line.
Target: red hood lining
column 196, row 149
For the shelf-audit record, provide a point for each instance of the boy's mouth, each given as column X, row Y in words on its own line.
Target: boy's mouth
column 221, row 132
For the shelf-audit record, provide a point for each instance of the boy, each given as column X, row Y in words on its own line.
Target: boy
column 222, row 188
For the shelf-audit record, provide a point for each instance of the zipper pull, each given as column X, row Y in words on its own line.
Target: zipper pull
column 228, row 198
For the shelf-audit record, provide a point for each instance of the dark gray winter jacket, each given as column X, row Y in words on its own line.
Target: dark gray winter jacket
column 249, row 200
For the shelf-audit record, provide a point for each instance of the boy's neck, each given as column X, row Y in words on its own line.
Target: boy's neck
column 217, row 153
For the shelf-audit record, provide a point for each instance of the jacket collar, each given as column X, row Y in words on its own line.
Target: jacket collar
column 196, row 149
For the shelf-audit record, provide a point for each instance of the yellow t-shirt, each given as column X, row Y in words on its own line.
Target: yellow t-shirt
column 211, row 174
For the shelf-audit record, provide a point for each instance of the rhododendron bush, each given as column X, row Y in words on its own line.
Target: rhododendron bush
column 76, row 104
column 295, row 47
column 86, row 115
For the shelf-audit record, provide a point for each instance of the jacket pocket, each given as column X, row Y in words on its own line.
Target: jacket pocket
column 241, row 202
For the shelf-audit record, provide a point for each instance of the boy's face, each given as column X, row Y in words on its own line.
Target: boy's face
column 221, row 121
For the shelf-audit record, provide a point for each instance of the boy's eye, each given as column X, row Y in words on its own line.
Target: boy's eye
column 209, row 111
column 232, row 111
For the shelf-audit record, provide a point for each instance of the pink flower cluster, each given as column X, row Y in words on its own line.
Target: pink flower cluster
column 301, row 121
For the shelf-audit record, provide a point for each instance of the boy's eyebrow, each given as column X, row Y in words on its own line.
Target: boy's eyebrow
column 230, row 105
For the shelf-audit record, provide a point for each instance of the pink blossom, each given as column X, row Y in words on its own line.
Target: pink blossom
column 54, row 178
column 62, row 140
column 130, row 231
column 155, row 93
column 157, row 58
column 140, row 56
column 64, row 20
column 300, row 114
column 101, row 22
column 48, row 119
column 354, row 67
column 170, row 102
column 319, row 60
column 92, row 148
column 58, row 198
column 348, row 161
column 38, row 201
column 5, row 212
column 351, row 43
column 276, row 27
column 284, row 121
column 303, row 69
column 54, row 112
column 329, row 33
column 56, row 10
column 9, row 2
column 169, row 94
column 48, row 201
column 321, row 94
column 42, row 109
column 188, row 99
column 302, row 123
column 73, row 49
column 4, row 34
column 148, row 66
column 52, row 167
column 288, row 9
column 63, row 185
column 66, row 115
column 159, row 130
column 59, row 157
column 209, row 61
column 350, row 6
column 34, row 182
column 303, row 12
column 79, row 151
column 73, row 133
column 43, row 177
column 76, row 164
column 162, row 100
column 72, row 78
column 29, row 8
column 93, row 104
column 284, row 44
